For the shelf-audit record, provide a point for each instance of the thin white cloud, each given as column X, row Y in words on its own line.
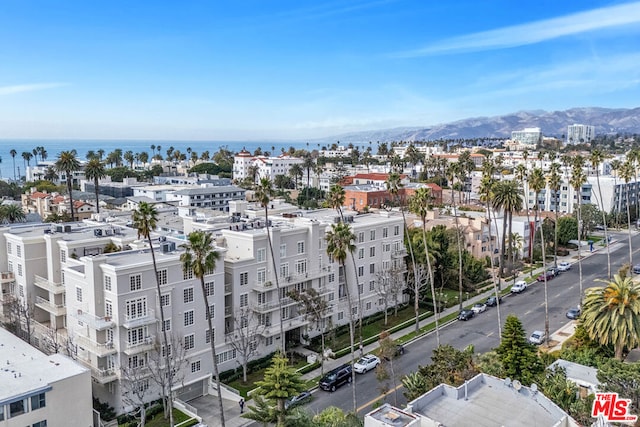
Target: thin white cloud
column 535, row 32
column 9, row 90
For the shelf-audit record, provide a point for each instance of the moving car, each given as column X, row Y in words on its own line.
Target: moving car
column 466, row 314
column 366, row 364
column 537, row 337
column 636, row 269
column 548, row 274
column 300, row 399
column 335, row 378
column 573, row 313
column 564, row 266
column 518, row 287
column 492, row 301
column 479, row 308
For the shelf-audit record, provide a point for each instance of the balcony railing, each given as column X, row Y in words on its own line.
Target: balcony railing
column 228, row 311
column 41, row 282
column 145, row 319
column 272, row 305
column 228, row 288
column 308, row 275
column 100, row 375
column 99, row 349
column 95, row 322
column 7, row 277
column 146, row 344
column 48, row 306
column 399, row 252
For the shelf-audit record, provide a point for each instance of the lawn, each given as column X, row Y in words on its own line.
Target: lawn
column 178, row 417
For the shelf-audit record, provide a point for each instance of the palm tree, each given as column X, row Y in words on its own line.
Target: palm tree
column 13, row 153
column 611, row 314
column 295, row 172
column 200, row 257
column 616, row 164
column 537, row 184
column 263, row 194
column 578, row 178
column 308, row 164
column 68, row 163
column 452, row 172
column 129, row 157
column 555, row 181
column 507, row 196
column 419, row 205
column 27, row 156
column 145, row 219
column 626, row 173
column 340, row 242
column 11, row 213
column 596, row 158
column 522, row 174
column 94, row 169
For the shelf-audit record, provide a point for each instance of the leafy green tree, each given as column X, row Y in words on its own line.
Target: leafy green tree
column 314, row 307
column 209, row 168
column 336, row 417
column 415, row 385
column 565, row 393
column 261, row 411
column 200, row 257
column 490, row 364
column 611, row 314
column 567, row 229
column 309, row 197
column 517, row 355
column 622, row 378
column 385, row 370
column 281, row 382
column 119, row 173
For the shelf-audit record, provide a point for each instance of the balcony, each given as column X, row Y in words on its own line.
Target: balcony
column 145, row 319
column 228, row 288
column 7, row 277
column 49, row 307
column 99, row 349
column 228, row 311
column 399, row 253
column 95, row 322
column 55, row 288
column 100, row 375
column 272, row 305
column 307, row 275
column 133, row 347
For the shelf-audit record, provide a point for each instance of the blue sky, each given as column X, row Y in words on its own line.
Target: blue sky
column 279, row 69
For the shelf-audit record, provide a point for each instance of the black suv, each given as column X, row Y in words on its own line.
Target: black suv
column 492, row 301
column 335, row 378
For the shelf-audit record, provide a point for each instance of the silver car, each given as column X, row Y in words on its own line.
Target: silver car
column 366, row 364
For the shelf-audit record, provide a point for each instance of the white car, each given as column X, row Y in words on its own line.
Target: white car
column 564, row 266
column 518, row 287
column 537, row 337
column 479, row 308
column 366, row 363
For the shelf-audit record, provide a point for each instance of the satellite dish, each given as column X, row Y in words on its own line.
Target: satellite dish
column 507, row 382
column 534, row 388
column 517, row 385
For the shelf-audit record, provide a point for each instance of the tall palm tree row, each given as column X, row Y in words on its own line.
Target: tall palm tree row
column 522, row 175
column 626, row 173
column 555, row 181
column 537, row 183
column 596, row 158
column 200, row 257
column 94, row 169
column 452, row 173
column 264, row 192
column 68, row 163
column 507, row 197
column 145, row 219
column 578, row 178
column 13, row 153
column 340, row 242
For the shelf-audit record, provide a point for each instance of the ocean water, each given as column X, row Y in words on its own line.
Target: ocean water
column 55, row 146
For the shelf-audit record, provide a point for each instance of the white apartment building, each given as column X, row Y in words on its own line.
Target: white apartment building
column 579, row 134
column 216, row 197
column 267, row 167
column 529, row 136
column 37, row 390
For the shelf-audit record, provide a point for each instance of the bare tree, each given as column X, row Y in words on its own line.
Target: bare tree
column 315, row 309
column 136, row 390
column 51, row 342
column 245, row 336
column 19, row 317
column 420, row 282
column 385, row 370
column 388, row 286
column 166, row 378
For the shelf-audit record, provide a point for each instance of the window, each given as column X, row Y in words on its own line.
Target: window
column 189, row 342
column 244, row 300
column 210, row 287
column 137, row 361
column 207, row 336
column 368, row 306
column 20, row 270
column 162, row 276
column 166, row 326
column 108, row 308
column 63, row 256
column 244, row 278
column 360, row 253
column 285, row 313
column 244, row 322
column 361, row 237
column 188, row 318
column 341, row 315
column 136, row 308
column 360, row 271
column 354, row 310
column 226, row 356
column 331, row 296
column 262, row 275
column 360, row 288
column 79, row 294
column 372, row 234
column 187, row 295
column 332, row 277
column 135, row 282
column 385, row 233
column 262, row 298
column 107, row 283
column 9, row 251
column 165, row 300
column 17, row 408
column 38, row 401
column 195, row 366
column 283, row 250
column 300, row 247
column 372, row 268
column 42, row 423
column 372, row 285
column 372, row 251
column 268, row 341
column 11, row 266
column 261, row 254
column 396, row 230
column 284, row 269
column 212, row 312
column 187, row 274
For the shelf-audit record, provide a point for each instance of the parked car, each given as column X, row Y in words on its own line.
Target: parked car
column 466, row 314
column 300, row 399
column 537, row 337
column 553, row 271
column 519, row 286
column 564, row 266
column 573, row 313
column 549, row 275
column 493, row 301
column 366, row 364
column 636, row 269
column 479, row 307
column 335, row 378
column 398, row 352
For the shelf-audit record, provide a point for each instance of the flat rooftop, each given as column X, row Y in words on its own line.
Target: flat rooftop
column 24, row 369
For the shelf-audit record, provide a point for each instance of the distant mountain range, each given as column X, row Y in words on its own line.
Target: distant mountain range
column 605, row 120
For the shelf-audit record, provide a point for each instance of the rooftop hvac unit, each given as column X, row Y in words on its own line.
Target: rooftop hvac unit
column 97, row 232
column 59, row 229
column 67, row 229
column 168, row 247
column 108, row 232
column 162, row 239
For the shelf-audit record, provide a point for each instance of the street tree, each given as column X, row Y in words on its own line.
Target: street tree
column 245, row 336
column 315, row 308
column 517, row 355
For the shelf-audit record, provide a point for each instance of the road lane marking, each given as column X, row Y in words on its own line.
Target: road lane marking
column 372, row 401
